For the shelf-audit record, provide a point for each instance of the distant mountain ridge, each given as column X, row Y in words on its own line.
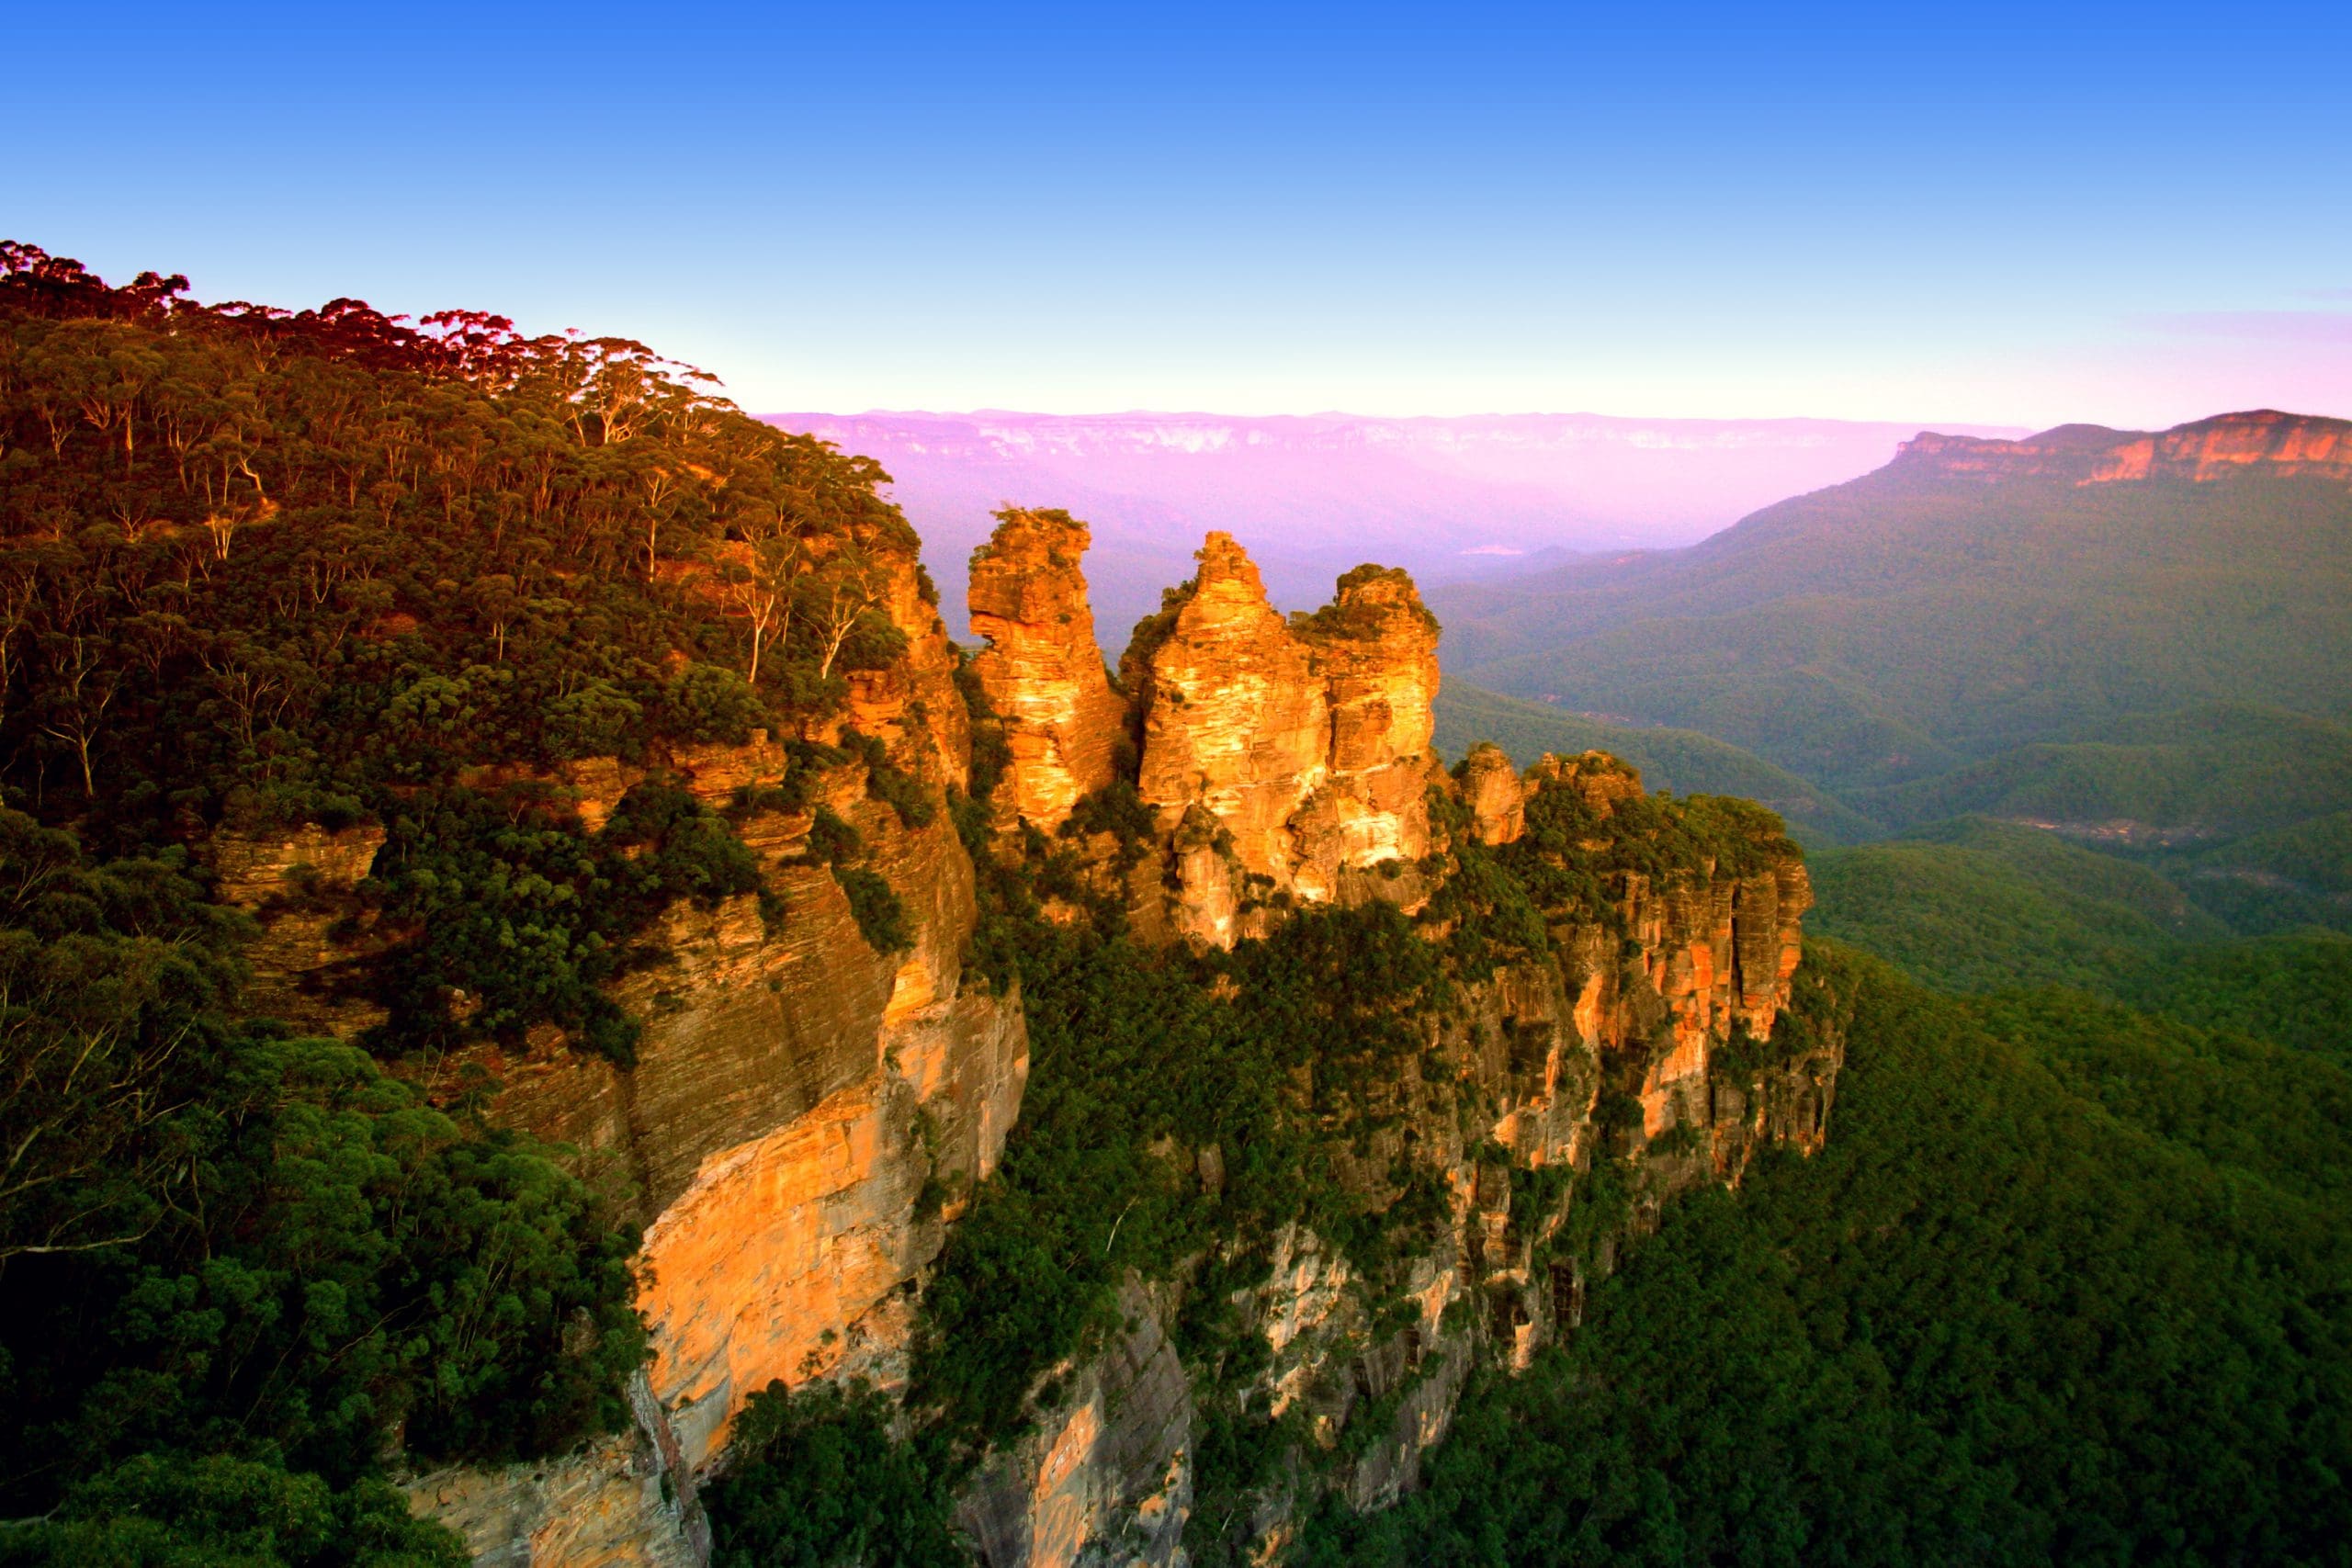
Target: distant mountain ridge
column 2199, row 451
column 1312, row 495
column 1968, row 597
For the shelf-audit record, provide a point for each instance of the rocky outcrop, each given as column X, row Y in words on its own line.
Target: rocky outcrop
column 2197, row 453
column 1491, row 788
column 1305, row 743
column 1042, row 668
column 1646, row 1054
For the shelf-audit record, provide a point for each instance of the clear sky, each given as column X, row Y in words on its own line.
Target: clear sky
column 2133, row 215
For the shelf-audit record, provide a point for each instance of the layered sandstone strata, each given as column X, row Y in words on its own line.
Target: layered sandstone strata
column 1041, row 668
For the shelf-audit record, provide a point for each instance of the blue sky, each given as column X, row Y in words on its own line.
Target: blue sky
column 1997, row 214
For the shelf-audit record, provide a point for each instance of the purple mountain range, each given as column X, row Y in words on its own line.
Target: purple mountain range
column 1312, row 495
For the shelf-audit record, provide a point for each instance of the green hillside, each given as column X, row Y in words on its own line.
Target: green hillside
column 2299, row 875
column 1679, row 760
column 2213, row 769
column 1913, row 620
column 1975, row 906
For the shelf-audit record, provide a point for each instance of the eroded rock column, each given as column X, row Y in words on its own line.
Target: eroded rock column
column 1041, row 668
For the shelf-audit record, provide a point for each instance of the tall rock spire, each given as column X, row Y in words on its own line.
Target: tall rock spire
column 1041, row 668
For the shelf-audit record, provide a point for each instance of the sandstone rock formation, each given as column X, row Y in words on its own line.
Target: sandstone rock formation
column 1645, row 1005
column 2197, row 453
column 1235, row 717
column 1041, row 668
column 1279, row 759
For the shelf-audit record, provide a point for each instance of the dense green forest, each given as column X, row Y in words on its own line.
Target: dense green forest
column 260, row 568
column 2072, row 1281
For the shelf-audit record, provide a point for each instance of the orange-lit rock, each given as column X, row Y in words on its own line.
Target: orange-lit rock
column 1307, row 741
column 1490, row 787
column 1376, row 648
column 1236, row 716
column 1042, row 668
column 2199, row 452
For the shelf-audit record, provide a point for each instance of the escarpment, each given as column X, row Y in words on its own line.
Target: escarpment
column 2198, row 452
column 807, row 1112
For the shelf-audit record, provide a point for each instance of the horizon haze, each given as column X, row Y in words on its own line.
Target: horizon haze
column 1447, row 499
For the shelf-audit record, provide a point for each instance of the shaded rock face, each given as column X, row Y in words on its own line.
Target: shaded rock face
column 1647, row 1005
column 300, row 888
column 1278, row 758
column 1042, row 668
column 2206, row 450
column 616, row 1504
column 1106, row 1475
